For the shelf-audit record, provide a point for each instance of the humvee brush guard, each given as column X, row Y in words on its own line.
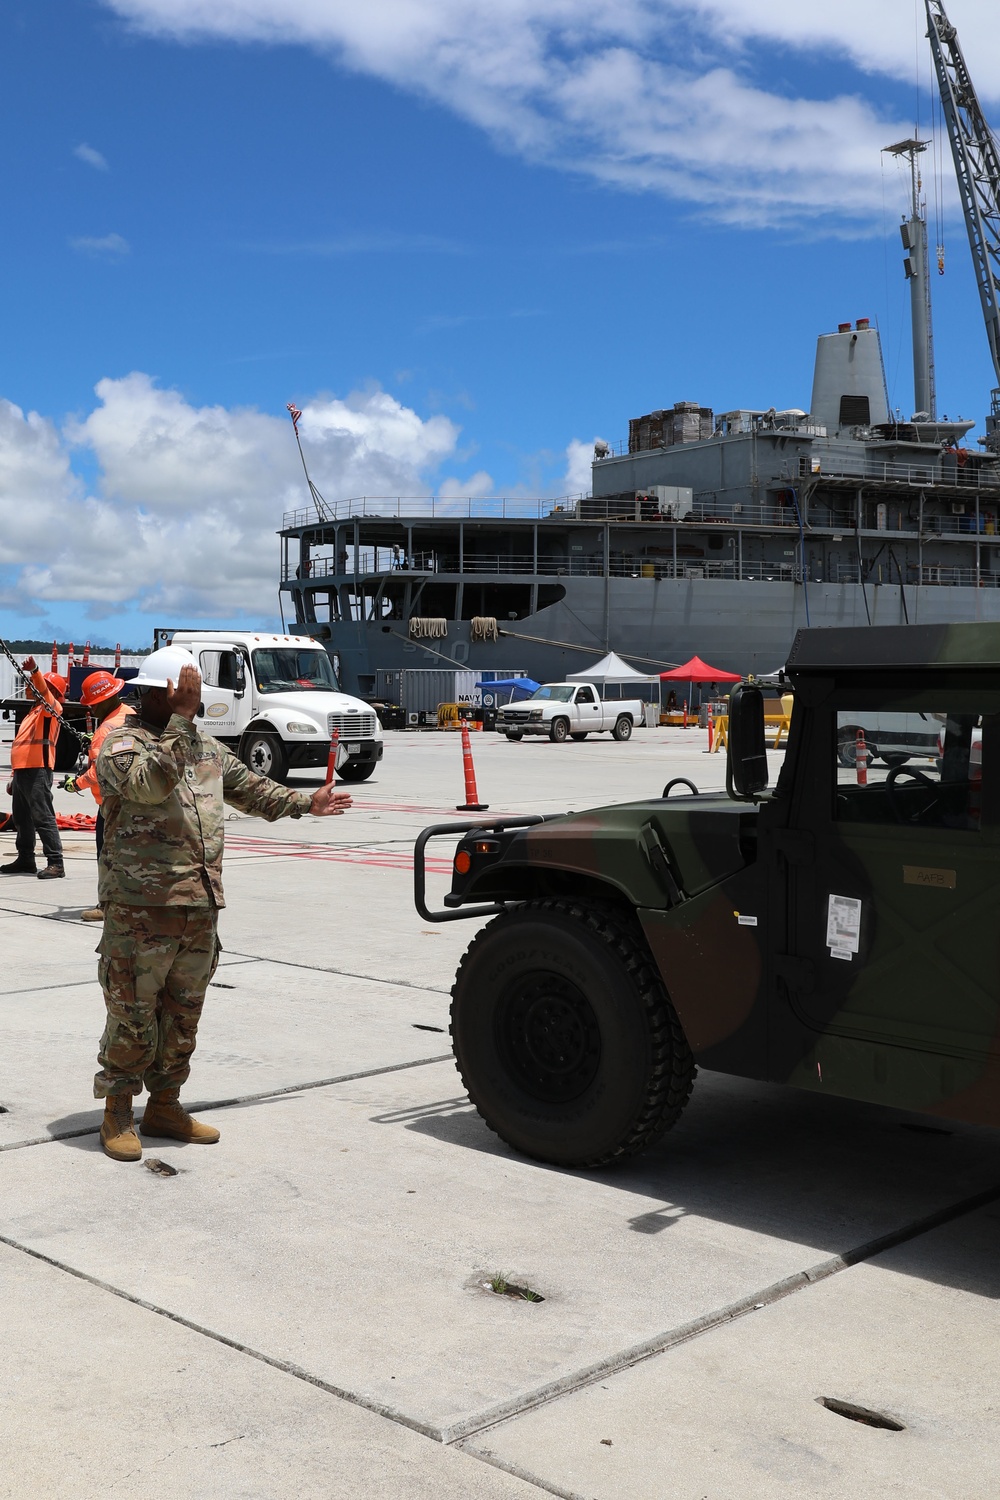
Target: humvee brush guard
column 841, row 933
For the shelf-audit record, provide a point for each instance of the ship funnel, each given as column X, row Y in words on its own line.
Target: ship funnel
column 849, row 382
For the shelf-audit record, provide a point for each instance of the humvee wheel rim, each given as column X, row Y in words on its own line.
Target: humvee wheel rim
column 549, row 1037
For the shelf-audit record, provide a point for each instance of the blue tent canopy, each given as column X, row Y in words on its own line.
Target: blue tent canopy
column 523, row 685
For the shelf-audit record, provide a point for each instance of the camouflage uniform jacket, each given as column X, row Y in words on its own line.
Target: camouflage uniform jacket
column 164, row 793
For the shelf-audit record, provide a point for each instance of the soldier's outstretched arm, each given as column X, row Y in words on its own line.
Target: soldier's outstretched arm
column 267, row 799
column 144, row 770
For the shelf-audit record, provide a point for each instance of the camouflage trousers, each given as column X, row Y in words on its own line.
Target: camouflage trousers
column 155, row 965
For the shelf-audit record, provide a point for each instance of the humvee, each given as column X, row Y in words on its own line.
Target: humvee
column 839, row 933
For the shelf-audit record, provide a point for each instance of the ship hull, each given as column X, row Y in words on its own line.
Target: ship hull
column 656, row 623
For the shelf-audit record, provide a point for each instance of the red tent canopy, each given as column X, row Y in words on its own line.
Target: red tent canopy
column 697, row 670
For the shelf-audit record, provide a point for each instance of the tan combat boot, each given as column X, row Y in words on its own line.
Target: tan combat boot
column 165, row 1115
column 118, row 1135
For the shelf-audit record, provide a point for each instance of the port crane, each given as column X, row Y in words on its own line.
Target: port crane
column 977, row 166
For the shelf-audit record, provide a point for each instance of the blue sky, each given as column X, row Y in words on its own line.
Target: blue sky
column 463, row 238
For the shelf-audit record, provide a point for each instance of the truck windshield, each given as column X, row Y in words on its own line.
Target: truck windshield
column 552, row 692
column 287, row 669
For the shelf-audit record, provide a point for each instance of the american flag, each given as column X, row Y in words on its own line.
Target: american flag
column 295, row 414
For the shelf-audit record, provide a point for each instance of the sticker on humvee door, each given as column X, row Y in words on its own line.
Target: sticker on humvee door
column 843, row 927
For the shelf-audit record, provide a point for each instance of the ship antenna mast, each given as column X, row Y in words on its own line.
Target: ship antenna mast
column 317, row 498
column 917, row 268
column 977, row 166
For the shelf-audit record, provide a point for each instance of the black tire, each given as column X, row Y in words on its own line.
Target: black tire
column 357, row 771
column 559, row 730
column 581, row 736
column 893, row 758
column 846, row 741
column 565, row 1037
column 515, row 734
column 264, row 754
column 623, row 729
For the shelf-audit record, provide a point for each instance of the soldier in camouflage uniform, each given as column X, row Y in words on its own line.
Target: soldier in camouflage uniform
column 164, row 784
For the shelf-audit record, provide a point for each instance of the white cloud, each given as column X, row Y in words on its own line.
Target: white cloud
column 476, row 487
column 92, row 157
column 110, row 246
column 579, row 457
column 189, row 498
column 662, row 95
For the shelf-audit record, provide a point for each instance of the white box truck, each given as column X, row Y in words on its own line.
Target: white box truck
column 275, row 701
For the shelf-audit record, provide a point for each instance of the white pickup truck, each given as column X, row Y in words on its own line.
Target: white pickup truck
column 569, row 711
column 275, row 701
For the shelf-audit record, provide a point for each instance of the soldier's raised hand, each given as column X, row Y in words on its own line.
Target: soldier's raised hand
column 327, row 802
column 185, row 698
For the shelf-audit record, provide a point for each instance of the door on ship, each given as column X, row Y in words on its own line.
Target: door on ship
column 893, row 898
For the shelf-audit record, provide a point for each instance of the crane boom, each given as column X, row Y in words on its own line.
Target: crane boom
column 977, row 165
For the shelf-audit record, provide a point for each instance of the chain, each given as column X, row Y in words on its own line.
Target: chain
column 81, row 738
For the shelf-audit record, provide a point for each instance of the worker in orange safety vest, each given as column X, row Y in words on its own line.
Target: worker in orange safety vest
column 101, row 694
column 33, row 759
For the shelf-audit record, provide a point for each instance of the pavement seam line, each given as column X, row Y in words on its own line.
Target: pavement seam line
column 289, row 963
column 517, row 1471
column 290, row 1088
column 282, row 1365
column 799, row 1281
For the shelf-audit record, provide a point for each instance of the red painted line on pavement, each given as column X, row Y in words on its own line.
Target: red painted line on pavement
column 344, row 854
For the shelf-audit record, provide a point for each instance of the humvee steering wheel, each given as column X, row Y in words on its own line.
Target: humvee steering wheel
column 915, row 775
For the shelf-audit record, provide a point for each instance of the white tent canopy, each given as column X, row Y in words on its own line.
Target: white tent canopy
column 611, row 668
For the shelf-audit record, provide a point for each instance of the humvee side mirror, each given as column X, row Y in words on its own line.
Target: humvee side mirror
column 747, row 745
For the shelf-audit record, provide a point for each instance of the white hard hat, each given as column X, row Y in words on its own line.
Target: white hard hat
column 159, row 665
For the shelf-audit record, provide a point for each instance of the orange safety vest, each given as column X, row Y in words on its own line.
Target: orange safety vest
column 88, row 780
column 34, row 746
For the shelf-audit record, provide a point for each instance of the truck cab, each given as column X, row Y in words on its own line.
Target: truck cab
column 274, row 700
column 569, row 711
column 836, row 932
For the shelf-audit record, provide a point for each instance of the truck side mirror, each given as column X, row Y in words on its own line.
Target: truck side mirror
column 747, row 744
column 241, row 675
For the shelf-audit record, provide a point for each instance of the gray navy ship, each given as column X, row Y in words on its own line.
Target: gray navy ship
column 719, row 534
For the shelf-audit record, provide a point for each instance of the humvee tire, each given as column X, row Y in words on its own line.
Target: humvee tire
column 565, row 1037
column 580, row 736
column 514, row 735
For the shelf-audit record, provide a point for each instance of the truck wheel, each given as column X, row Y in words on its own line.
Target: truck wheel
column 581, row 736
column 623, row 729
column 356, row 771
column 565, row 1037
column 514, row 734
column 264, row 754
column 559, row 730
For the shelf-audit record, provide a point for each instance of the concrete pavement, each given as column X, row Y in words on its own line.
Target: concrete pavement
column 304, row 1309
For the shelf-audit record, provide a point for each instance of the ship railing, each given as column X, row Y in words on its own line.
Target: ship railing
column 949, row 472
column 433, row 507
column 620, row 565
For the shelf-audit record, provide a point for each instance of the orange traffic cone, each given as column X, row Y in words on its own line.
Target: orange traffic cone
column 472, row 802
column 331, row 760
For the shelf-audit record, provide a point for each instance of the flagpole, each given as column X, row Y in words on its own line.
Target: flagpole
column 318, row 500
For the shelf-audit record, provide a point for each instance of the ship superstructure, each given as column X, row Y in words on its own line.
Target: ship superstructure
column 711, row 533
